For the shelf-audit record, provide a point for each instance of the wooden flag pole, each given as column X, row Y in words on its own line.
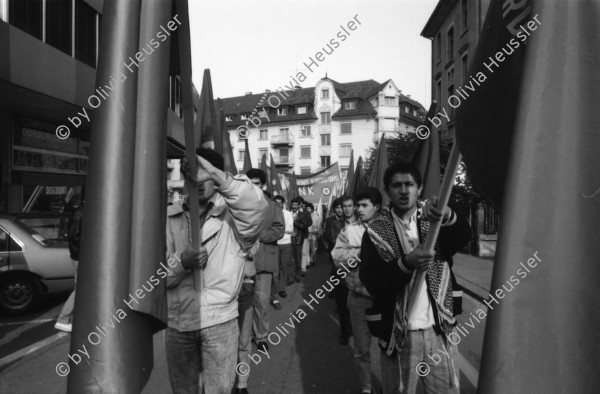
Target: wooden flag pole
column 185, row 63
column 434, row 229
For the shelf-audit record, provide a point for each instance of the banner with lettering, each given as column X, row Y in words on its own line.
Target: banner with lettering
column 317, row 186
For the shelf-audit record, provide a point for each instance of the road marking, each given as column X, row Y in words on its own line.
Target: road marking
column 31, row 348
column 14, row 323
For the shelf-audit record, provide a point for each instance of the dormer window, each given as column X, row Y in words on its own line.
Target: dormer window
column 325, row 93
column 229, row 118
column 350, row 105
column 301, row 110
column 282, row 111
column 244, row 116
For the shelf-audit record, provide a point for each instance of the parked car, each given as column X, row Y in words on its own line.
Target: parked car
column 30, row 266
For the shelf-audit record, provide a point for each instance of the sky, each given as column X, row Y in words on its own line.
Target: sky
column 262, row 44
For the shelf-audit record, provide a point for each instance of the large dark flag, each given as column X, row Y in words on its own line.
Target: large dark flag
column 206, row 123
column 247, row 160
column 349, row 176
column 274, row 178
column 358, row 181
column 542, row 329
column 292, row 190
column 265, row 168
column 485, row 120
column 379, row 167
column 223, row 142
column 427, row 158
column 117, row 309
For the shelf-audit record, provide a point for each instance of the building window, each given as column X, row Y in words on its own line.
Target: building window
column 85, row 33
column 325, row 93
column 414, row 112
column 284, row 131
column 406, row 109
column 344, row 171
column 350, row 105
column 229, row 118
column 241, row 154
column 390, row 100
column 26, row 15
column 325, row 117
column 305, row 131
column 175, row 95
column 263, row 134
column 345, row 150
column 243, row 116
column 465, row 14
column 282, row 111
column 465, row 68
column 450, row 43
column 304, row 170
column 325, row 161
column 263, row 113
column 262, row 152
column 438, row 52
column 325, row 139
column 450, row 93
column 346, row 128
column 58, row 25
column 301, row 110
column 438, row 92
column 305, row 152
column 451, row 75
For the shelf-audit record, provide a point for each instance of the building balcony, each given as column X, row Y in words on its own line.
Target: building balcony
column 325, row 128
column 325, row 150
column 287, row 161
column 280, row 139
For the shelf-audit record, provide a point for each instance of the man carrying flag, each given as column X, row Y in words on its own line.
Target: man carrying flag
column 391, row 251
column 202, row 338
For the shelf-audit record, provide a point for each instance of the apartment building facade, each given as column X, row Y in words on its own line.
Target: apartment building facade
column 48, row 57
column 454, row 28
column 308, row 129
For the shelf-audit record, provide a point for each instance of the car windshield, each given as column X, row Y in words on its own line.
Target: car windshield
column 34, row 234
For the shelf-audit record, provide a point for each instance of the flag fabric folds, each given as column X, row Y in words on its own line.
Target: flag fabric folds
column 265, row 168
column 484, row 122
column 542, row 333
column 126, row 161
column 274, row 179
column 358, row 181
column 206, row 123
column 379, row 167
column 223, row 142
column 247, row 160
column 349, row 176
column 427, row 160
column 292, row 189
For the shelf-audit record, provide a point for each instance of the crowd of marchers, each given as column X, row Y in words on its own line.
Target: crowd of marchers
column 252, row 248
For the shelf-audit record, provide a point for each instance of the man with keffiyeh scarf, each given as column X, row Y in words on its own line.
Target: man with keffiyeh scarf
column 391, row 252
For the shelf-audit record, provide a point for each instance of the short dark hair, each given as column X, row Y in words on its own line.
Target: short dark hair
column 257, row 173
column 401, row 168
column 369, row 193
column 279, row 197
column 344, row 198
column 298, row 199
column 212, row 156
column 336, row 202
column 310, row 205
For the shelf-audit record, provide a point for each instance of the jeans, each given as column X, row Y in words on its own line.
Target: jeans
column 390, row 372
column 305, row 256
column 297, row 252
column 286, row 266
column 357, row 304
column 202, row 359
column 245, row 309
column 262, row 294
column 66, row 313
column 312, row 239
column 442, row 376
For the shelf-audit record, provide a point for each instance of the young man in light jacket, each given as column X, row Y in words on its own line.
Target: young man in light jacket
column 202, row 337
column 347, row 248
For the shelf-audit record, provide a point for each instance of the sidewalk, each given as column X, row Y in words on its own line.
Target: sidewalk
column 474, row 274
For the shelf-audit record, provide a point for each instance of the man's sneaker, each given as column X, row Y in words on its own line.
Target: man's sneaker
column 262, row 346
column 282, row 294
column 66, row 327
column 276, row 304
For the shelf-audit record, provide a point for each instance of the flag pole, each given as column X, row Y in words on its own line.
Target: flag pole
column 434, row 229
column 185, row 60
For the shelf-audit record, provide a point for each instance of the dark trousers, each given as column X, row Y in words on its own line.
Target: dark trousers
column 297, row 251
column 340, row 294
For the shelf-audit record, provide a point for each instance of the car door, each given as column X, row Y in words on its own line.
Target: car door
column 4, row 253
